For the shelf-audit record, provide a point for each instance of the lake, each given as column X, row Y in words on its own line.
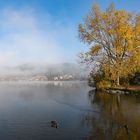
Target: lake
column 27, row 109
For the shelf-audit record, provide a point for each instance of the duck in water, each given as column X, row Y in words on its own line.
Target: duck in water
column 54, row 124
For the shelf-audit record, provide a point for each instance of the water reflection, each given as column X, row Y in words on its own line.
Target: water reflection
column 27, row 110
column 119, row 117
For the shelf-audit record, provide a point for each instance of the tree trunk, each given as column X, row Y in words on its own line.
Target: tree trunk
column 118, row 81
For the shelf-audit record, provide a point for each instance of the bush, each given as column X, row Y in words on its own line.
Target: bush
column 103, row 84
column 98, row 81
column 94, row 78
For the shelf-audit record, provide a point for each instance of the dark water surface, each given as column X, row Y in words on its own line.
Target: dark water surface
column 26, row 110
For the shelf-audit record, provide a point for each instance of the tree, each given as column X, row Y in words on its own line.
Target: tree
column 114, row 40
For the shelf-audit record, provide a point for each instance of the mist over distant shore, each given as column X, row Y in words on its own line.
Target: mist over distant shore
column 61, row 71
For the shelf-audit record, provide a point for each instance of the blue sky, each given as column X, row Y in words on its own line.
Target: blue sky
column 45, row 31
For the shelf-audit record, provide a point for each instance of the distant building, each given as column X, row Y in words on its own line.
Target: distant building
column 56, row 78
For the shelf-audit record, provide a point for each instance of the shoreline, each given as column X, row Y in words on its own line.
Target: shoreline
column 130, row 90
column 41, row 82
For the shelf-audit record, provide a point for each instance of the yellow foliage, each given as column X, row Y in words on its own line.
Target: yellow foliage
column 95, row 50
column 116, row 33
column 103, row 84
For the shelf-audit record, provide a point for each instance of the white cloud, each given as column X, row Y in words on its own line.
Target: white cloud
column 27, row 38
column 5, row 57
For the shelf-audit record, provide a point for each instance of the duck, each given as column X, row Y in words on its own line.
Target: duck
column 54, row 124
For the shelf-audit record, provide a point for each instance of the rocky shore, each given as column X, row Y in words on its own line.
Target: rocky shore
column 122, row 90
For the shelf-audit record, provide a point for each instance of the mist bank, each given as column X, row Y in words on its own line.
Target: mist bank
column 61, row 71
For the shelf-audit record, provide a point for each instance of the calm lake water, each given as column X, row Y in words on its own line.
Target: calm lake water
column 26, row 110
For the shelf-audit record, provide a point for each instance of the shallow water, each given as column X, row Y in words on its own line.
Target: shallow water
column 26, row 110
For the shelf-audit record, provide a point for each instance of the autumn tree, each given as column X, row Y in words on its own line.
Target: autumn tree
column 114, row 40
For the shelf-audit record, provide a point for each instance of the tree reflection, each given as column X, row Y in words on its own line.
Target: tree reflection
column 118, row 118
